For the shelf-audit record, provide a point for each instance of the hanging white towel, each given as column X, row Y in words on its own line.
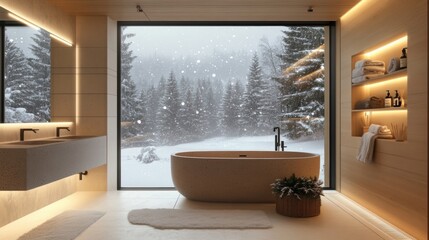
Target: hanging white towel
column 366, row 148
column 375, row 128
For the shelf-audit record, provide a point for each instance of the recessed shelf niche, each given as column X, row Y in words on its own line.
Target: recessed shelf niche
column 377, row 87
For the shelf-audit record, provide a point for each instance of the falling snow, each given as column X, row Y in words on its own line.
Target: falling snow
column 200, row 57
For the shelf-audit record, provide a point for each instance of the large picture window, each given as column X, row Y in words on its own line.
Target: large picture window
column 218, row 88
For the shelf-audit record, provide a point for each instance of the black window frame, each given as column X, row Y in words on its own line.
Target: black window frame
column 332, row 83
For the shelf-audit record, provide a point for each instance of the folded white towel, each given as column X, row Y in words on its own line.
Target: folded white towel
column 357, row 72
column 383, row 130
column 364, row 78
column 393, row 65
column 368, row 62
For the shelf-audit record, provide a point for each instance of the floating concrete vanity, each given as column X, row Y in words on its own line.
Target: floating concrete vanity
column 30, row 164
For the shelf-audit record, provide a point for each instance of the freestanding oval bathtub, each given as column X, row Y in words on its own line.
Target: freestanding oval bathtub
column 237, row 176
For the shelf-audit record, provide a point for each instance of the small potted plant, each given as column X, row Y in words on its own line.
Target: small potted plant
column 298, row 196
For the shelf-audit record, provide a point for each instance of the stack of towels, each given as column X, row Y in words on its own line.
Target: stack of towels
column 366, row 69
column 366, row 148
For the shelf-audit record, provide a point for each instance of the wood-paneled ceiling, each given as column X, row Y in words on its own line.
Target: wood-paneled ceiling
column 209, row 10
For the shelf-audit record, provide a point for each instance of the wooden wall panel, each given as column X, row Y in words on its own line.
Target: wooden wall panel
column 395, row 184
column 91, row 64
column 43, row 14
column 16, row 204
column 206, row 10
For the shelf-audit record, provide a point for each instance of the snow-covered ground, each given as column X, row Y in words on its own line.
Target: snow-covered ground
column 158, row 173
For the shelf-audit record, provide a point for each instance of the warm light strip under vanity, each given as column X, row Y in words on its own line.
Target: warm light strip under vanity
column 47, row 125
column 9, row 132
column 30, row 24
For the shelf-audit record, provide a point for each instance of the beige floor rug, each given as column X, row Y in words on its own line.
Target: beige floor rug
column 65, row 226
column 199, row 219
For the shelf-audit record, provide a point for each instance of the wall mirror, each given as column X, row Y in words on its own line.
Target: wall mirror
column 25, row 72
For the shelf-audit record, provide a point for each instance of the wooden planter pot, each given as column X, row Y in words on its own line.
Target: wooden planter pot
column 293, row 207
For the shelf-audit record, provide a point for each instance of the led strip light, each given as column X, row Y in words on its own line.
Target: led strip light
column 28, row 23
column 61, row 40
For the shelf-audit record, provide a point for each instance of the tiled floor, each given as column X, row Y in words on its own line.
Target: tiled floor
column 332, row 223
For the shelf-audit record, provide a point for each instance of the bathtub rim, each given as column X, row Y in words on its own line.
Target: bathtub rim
column 309, row 155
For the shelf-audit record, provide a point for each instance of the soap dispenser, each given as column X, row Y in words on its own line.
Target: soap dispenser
column 403, row 59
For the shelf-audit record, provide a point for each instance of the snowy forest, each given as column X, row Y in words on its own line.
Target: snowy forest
column 283, row 86
column 27, row 79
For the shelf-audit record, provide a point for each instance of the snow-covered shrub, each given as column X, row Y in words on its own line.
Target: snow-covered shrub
column 18, row 115
column 147, row 155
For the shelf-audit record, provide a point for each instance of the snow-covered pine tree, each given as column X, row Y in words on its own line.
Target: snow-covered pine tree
column 298, row 41
column 141, row 116
column 231, row 109
column 238, row 101
column 161, row 87
column 168, row 131
column 199, row 116
column 184, row 86
column 229, row 116
column 186, row 118
column 18, row 84
column 129, row 98
column 129, row 109
column 302, row 81
column 208, row 109
column 271, row 64
column 155, row 95
column 218, row 91
column 269, row 106
column 127, row 56
column 152, row 106
column 256, row 91
column 41, row 74
column 211, row 113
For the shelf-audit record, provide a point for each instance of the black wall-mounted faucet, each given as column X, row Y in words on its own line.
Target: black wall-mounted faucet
column 283, row 146
column 23, row 130
column 59, row 128
column 276, row 138
column 82, row 174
